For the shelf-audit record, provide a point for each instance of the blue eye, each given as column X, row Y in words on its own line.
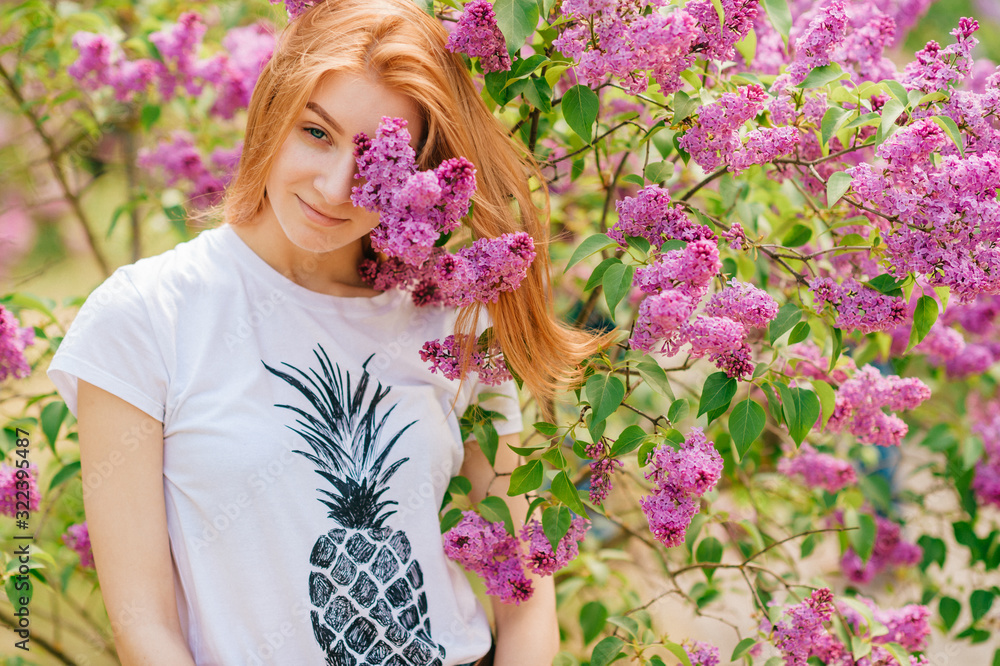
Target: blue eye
column 319, row 134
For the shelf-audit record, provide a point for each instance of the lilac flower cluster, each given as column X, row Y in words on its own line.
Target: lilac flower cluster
column 649, row 215
column 702, row 654
column 986, row 483
column 488, row 550
column 77, row 537
column 715, row 138
column 862, row 398
column 600, row 472
column 908, row 626
column 14, row 480
column 231, row 74
column 736, row 236
column 802, row 625
column 719, row 39
column 180, row 160
column 819, row 470
column 540, row 558
column 680, row 477
column 744, row 303
column 618, row 38
column 891, row 552
column 478, row 35
column 934, row 67
column 295, row 8
column 444, row 357
column 813, row 364
column 763, row 145
column 858, row 307
column 815, row 47
column 13, row 339
column 415, row 208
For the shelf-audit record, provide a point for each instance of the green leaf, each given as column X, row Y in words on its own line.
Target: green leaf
column 886, row 284
column 590, row 245
column 150, row 114
column 684, row 106
column 598, row 275
column 659, row 171
column 525, row 478
column 797, row 236
column 832, row 120
column 539, row 95
column 547, row 429
column 866, row 119
column 678, row 410
column 679, row 652
column 892, row 110
column 606, row 651
column 566, row 492
column 717, row 393
column 556, row 522
column 65, row 474
column 780, row 16
column 580, row 105
column 634, row 179
column 821, row 76
column 746, row 423
column 450, row 519
column 605, row 393
column 488, row 440
column 630, row 626
column 980, row 603
column 617, row 281
column 949, row 609
column 742, row 648
column 799, row 333
column 863, row 538
column 655, row 376
column 801, row 409
column 827, row 399
column 517, row 19
column 593, row 616
column 924, row 316
column 709, row 550
column 495, row 510
column 630, row 439
column 787, row 317
column 837, row 186
column 14, row 595
column 53, row 415
column 720, row 11
column 951, row 129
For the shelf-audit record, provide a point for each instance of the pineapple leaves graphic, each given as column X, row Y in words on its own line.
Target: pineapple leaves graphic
column 366, row 589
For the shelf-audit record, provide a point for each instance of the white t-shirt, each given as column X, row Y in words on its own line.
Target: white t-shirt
column 283, row 551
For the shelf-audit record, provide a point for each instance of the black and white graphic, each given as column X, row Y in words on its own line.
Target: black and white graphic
column 366, row 589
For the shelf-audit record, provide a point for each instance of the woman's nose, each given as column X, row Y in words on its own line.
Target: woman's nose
column 336, row 178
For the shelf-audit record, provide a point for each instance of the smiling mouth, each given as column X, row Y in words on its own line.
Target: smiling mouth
column 318, row 217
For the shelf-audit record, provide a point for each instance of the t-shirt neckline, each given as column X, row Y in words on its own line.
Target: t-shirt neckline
column 263, row 271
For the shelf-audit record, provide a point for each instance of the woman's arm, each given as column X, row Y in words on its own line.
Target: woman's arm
column 527, row 634
column 121, row 456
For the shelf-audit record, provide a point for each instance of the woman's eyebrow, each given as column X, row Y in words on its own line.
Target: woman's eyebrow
column 318, row 110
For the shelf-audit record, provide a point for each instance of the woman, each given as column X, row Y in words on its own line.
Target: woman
column 263, row 452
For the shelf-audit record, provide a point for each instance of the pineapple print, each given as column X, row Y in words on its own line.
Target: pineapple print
column 365, row 587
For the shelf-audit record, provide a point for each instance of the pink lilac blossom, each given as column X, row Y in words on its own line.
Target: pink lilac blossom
column 77, row 537
column 814, row 48
column 680, row 477
column 478, row 35
column 736, row 236
column 819, row 470
column 715, row 137
column 743, row 302
column 974, row 359
column 814, row 365
column 712, row 335
column 13, row 339
column 180, row 161
column 690, row 270
column 986, row 482
column 860, row 403
column 863, row 49
column 649, row 215
column 802, row 625
column 294, row 8
column 444, row 357
column 935, row 68
column 14, row 480
column 540, row 558
column 178, row 45
column 601, row 469
column 763, row 146
column 660, row 318
column 488, row 550
column 908, row 626
column 737, row 363
column 891, row 552
column 717, row 40
column 702, row 654
column 858, row 307
column 234, row 72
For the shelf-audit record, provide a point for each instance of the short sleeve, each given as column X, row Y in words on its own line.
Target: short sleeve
column 112, row 344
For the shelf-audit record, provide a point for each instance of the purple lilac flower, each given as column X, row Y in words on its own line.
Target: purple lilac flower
column 743, row 302
column 934, row 67
column 860, row 403
column 801, row 625
column 689, row 271
column 680, row 477
column 908, row 626
column 540, row 558
column 858, row 307
column 702, row 654
column 178, row 44
column 814, row 48
column 660, row 318
column 715, row 137
column 444, row 357
column 478, row 35
column 649, row 215
column 180, row 160
column 487, row 549
column 77, row 537
column 719, row 40
column 14, row 480
column 763, row 146
column 13, row 339
column 737, row 363
column 819, row 470
column 736, row 236
column 891, row 551
column 712, row 335
column 601, row 469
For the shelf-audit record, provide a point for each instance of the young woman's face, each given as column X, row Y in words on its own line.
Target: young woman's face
column 309, row 186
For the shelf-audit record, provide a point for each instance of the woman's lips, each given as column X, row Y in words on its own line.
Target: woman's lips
column 318, row 217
